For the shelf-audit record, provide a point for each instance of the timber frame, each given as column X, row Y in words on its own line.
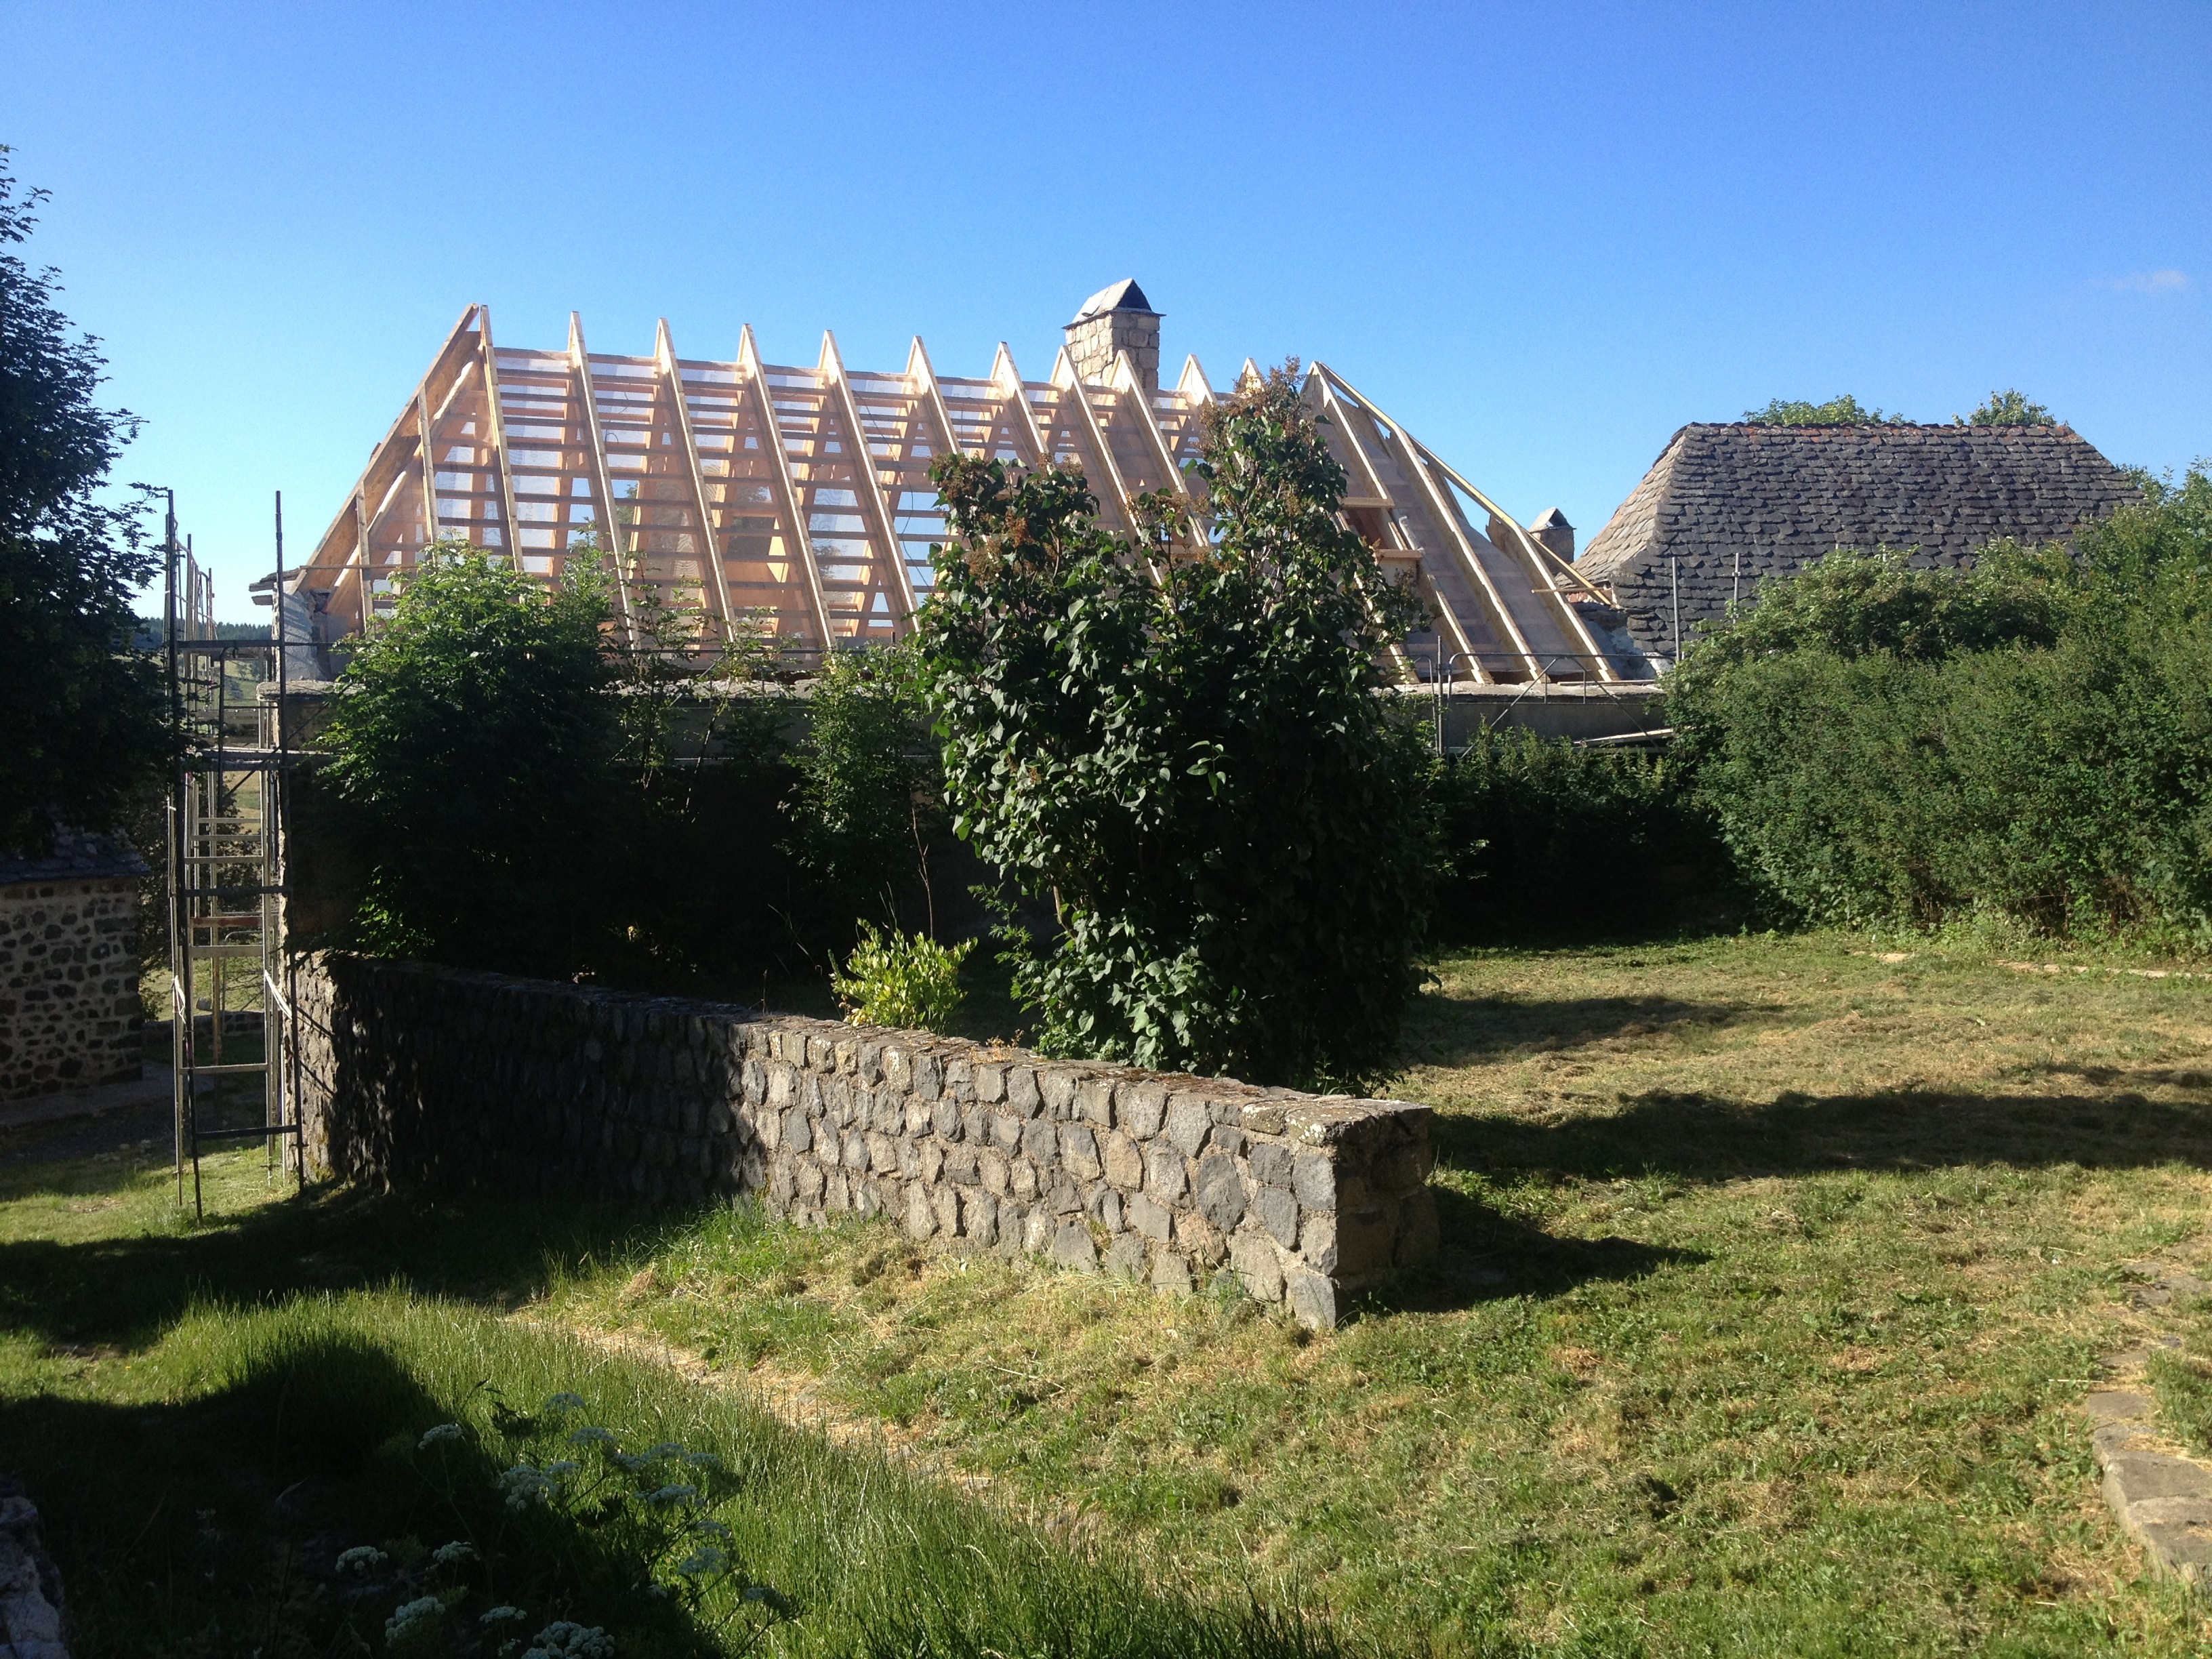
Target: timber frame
column 796, row 502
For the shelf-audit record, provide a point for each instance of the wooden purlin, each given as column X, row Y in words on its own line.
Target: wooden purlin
column 1440, row 513
column 800, row 544
column 664, row 346
column 871, row 491
column 1541, row 563
column 1367, row 490
column 603, row 495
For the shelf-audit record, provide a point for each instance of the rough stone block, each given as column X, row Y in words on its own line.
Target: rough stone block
column 1041, row 1142
column 1125, row 1256
column 921, row 1215
column 1149, row 1219
column 1252, row 1256
column 1278, row 1211
column 1140, row 1108
column 1073, row 1247
column 1171, row 1273
column 1094, row 1102
column 1125, row 1164
column 1167, row 1176
column 1057, row 1085
column 1311, row 1297
column 1313, row 1178
column 1079, row 1152
column 1190, row 1121
column 1271, row 1162
column 1022, row 1091
column 1219, row 1191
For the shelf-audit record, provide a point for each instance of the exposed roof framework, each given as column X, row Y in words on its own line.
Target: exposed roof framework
column 798, row 500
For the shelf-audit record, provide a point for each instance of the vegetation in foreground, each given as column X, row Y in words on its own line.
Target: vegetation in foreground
column 1774, row 1270
column 294, row 1430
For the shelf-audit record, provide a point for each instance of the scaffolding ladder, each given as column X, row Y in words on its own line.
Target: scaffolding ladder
column 226, row 873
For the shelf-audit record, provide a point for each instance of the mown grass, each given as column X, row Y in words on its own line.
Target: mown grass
column 1774, row 1271
column 209, row 1413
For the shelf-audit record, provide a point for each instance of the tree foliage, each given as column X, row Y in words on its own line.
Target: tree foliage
column 1841, row 410
column 472, row 739
column 2009, row 408
column 86, row 722
column 2032, row 738
column 1189, row 760
column 865, row 808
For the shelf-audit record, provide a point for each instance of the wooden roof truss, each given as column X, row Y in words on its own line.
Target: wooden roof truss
column 797, row 501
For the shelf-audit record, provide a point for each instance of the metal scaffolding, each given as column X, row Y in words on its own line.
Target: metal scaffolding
column 226, row 871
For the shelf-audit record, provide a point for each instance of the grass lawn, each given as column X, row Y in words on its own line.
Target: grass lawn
column 1774, row 1269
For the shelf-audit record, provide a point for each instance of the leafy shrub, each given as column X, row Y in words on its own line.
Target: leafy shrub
column 864, row 810
column 2033, row 738
column 1544, row 839
column 471, row 741
column 905, row 980
column 1233, row 831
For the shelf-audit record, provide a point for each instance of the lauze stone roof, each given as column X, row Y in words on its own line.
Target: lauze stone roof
column 1779, row 497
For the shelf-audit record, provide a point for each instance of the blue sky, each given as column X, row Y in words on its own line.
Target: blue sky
column 1543, row 236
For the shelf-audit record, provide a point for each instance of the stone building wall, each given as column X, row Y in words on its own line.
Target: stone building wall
column 70, row 1013
column 426, row 1075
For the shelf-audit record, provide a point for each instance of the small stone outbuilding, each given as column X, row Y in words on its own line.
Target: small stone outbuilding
column 70, row 1013
column 1726, row 506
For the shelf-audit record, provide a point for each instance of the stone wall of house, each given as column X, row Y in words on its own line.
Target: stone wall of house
column 70, row 1013
column 409, row 1073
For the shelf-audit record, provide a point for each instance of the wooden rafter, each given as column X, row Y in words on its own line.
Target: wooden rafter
column 1513, row 617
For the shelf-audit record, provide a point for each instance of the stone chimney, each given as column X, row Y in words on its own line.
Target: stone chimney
column 1116, row 318
column 1556, row 533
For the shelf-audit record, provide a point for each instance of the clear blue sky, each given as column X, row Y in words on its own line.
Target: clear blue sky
column 1543, row 236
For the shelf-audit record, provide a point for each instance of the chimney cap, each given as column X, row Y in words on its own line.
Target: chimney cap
column 1124, row 296
column 1552, row 520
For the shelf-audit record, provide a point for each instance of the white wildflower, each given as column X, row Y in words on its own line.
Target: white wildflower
column 363, row 1559
column 667, row 1449
column 629, row 1464
column 664, row 1496
column 438, row 1436
column 702, row 1562
column 568, row 1640
column 564, row 1401
column 420, row 1611
column 452, row 1554
column 501, row 1615
column 523, row 1485
column 702, row 1460
column 591, row 1435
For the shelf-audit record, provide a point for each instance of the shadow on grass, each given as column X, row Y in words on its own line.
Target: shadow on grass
column 1705, row 1137
column 215, row 1524
column 1455, row 1031
column 120, row 1293
column 1483, row 1255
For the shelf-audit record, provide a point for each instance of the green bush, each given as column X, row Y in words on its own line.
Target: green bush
column 1543, row 839
column 900, row 979
column 1188, row 762
column 471, row 742
column 863, row 809
column 2031, row 738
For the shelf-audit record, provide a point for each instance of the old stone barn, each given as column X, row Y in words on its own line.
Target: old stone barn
column 1728, row 504
column 70, row 1013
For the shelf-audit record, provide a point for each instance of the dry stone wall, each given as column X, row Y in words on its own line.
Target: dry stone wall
column 418, row 1074
column 69, row 1014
